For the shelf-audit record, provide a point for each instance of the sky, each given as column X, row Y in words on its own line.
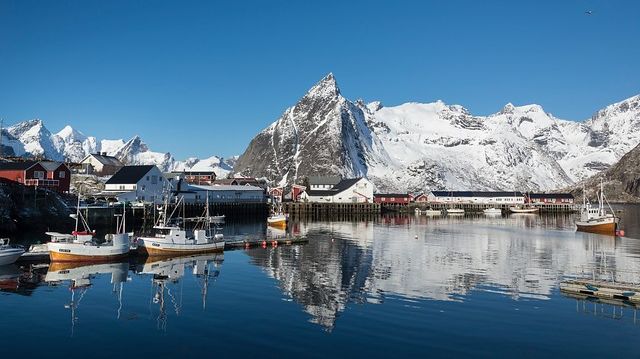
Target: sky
column 202, row 78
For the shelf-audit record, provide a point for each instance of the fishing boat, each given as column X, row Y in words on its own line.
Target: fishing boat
column 278, row 220
column 218, row 219
column 492, row 211
column 8, row 253
column 83, row 246
column 433, row 212
column 523, row 209
column 455, row 211
column 171, row 238
column 596, row 219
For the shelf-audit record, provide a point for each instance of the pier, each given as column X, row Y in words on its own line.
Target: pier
column 324, row 210
column 601, row 289
column 479, row 207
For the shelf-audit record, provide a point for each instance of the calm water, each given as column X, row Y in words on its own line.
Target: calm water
column 393, row 286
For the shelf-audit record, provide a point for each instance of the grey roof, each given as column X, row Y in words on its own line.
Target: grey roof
column 50, row 165
column 17, row 165
column 340, row 187
column 324, row 180
column 129, row 174
column 392, row 195
column 105, row 160
column 551, row 195
column 477, row 194
column 225, row 188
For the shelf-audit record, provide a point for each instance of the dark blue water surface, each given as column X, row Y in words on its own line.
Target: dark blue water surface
column 403, row 286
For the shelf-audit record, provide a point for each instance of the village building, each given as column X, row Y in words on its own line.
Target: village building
column 321, row 183
column 100, row 164
column 479, row 197
column 221, row 194
column 551, row 198
column 138, row 183
column 392, row 198
column 421, row 198
column 55, row 176
column 198, row 177
column 353, row 190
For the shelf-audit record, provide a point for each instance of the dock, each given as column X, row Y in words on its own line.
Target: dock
column 479, row 207
column 322, row 210
column 252, row 243
column 601, row 289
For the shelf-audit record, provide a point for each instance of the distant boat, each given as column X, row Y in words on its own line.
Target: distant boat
column 524, row 209
column 278, row 220
column 82, row 246
column 217, row 219
column 8, row 253
column 433, row 212
column 492, row 210
column 596, row 219
column 455, row 211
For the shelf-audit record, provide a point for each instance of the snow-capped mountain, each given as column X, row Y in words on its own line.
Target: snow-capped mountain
column 32, row 138
column 416, row 146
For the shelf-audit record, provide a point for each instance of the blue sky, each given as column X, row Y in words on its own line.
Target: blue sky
column 198, row 78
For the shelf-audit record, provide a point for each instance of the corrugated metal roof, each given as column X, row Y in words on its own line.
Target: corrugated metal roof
column 226, row 188
column 17, row 165
column 477, row 194
column 551, row 195
column 324, row 180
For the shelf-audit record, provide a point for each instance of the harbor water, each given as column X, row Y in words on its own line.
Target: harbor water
column 388, row 286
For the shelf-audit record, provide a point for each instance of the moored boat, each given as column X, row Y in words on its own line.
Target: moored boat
column 596, row 219
column 170, row 239
column 492, row 211
column 8, row 253
column 523, row 209
column 433, row 212
column 83, row 246
column 455, row 211
column 278, row 220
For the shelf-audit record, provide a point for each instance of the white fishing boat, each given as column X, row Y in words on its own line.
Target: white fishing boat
column 83, row 246
column 278, row 220
column 36, row 252
column 524, row 209
column 492, row 211
column 433, row 212
column 8, row 253
column 455, row 211
column 596, row 219
column 170, row 238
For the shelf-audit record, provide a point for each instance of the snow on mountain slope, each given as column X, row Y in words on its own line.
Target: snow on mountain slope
column 32, row 138
column 218, row 165
column 417, row 146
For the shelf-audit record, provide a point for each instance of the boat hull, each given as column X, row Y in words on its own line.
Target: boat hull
column 70, row 257
column 151, row 248
column 76, row 252
column 608, row 226
column 523, row 210
column 9, row 257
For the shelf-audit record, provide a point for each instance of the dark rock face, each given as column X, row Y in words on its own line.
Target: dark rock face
column 323, row 134
column 621, row 181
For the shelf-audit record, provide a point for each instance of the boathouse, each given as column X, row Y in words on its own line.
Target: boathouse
column 353, row 190
column 480, row 197
column 206, row 178
column 392, row 198
column 551, row 198
column 197, row 194
column 52, row 175
column 321, row 183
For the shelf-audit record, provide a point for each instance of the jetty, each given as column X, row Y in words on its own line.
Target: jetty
column 479, row 207
column 267, row 242
column 602, row 289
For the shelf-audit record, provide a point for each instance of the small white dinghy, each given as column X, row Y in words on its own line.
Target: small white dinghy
column 455, row 211
column 8, row 253
column 492, row 211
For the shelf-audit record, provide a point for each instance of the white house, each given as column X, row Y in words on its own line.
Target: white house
column 100, row 164
column 476, row 197
column 138, row 183
column 353, row 190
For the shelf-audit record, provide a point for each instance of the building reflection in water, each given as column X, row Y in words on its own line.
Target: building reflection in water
column 440, row 259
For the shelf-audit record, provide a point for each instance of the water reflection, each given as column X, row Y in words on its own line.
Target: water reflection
column 79, row 276
column 167, row 288
column 444, row 259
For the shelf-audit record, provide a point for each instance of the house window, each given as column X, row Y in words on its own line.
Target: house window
column 147, row 178
column 62, row 174
column 38, row 174
column 154, row 179
column 122, row 187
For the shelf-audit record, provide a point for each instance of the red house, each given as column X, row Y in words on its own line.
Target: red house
column 551, row 198
column 421, row 198
column 53, row 175
column 392, row 198
column 276, row 193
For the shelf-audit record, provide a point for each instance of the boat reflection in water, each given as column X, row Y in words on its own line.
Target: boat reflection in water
column 79, row 276
column 166, row 274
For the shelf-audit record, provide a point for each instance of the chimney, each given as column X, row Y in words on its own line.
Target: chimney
column 104, row 153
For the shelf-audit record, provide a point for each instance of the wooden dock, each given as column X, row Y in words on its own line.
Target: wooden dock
column 319, row 210
column 601, row 289
column 252, row 243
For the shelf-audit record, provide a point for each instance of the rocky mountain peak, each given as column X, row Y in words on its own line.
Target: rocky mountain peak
column 325, row 88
